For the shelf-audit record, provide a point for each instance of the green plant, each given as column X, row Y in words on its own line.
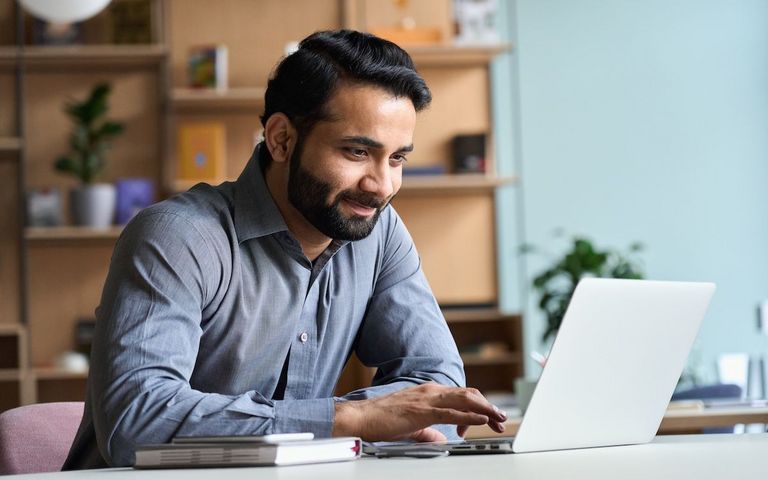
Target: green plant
column 557, row 283
column 89, row 140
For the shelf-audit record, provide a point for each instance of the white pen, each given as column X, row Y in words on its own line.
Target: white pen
column 538, row 358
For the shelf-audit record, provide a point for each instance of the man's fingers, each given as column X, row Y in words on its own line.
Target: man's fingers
column 457, row 417
column 497, row 427
column 470, row 400
column 461, row 430
column 428, row 435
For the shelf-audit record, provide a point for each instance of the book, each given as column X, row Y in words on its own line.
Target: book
column 133, row 194
column 207, row 67
column 201, row 152
column 228, row 452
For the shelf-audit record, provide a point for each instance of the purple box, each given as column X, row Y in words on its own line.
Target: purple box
column 133, row 194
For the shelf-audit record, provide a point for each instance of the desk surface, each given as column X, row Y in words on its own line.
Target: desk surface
column 674, row 422
column 701, row 457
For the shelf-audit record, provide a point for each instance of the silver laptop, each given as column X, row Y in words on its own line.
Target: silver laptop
column 611, row 371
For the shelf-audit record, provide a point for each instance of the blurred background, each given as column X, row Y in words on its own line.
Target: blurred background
column 566, row 139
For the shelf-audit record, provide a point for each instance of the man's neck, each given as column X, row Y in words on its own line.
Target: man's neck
column 313, row 242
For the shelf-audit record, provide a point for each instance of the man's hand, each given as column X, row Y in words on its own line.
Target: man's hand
column 408, row 414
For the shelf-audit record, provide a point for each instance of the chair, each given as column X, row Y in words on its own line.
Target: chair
column 718, row 391
column 36, row 438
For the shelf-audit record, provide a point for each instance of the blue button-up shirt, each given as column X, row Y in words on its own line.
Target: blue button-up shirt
column 213, row 322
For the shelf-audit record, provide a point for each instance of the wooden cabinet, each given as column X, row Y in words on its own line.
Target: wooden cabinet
column 50, row 278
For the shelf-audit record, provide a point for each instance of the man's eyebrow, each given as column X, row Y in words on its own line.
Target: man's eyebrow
column 369, row 142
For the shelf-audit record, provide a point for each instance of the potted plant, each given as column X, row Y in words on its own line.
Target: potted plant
column 92, row 204
column 557, row 283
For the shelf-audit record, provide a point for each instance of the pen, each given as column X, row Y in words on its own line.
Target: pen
column 538, row 358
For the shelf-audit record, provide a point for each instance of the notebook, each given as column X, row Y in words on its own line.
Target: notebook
column 611, row 371
column 290, row 449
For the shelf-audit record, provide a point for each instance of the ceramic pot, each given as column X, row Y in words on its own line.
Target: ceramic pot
column 93, row 205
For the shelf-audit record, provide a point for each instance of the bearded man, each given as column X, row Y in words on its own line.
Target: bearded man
column 232, row 309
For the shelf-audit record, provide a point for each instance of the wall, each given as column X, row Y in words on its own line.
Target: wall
column 644, row 121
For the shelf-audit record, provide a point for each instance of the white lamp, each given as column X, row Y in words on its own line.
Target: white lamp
column 63, row 11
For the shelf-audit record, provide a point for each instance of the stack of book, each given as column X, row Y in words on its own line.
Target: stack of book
column 243, row 451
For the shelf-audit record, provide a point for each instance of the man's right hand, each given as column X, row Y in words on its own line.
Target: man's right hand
column 409, row 413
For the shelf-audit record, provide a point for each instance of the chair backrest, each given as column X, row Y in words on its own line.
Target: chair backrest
column 717, row 391
column 36, row 438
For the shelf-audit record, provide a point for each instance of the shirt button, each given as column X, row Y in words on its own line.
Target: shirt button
column 304, row 337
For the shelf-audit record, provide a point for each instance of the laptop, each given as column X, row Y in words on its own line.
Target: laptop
column 611, row 371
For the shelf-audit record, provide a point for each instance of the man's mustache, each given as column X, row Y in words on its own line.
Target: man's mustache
column 365, row 199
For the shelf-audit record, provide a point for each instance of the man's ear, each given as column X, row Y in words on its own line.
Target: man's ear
column 280, row 137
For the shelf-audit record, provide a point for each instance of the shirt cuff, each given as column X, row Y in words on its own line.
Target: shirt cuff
column 312, row 415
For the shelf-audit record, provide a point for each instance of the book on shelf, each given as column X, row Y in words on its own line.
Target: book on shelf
column 290, row 449
column 201, row 152
column 208, row 67
column 424, row 170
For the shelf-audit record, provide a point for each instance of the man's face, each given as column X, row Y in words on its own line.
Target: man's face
column 347, row 169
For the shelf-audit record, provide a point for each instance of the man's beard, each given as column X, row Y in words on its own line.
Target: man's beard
column 308, row 194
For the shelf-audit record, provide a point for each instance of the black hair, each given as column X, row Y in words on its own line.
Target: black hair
column 304, row 81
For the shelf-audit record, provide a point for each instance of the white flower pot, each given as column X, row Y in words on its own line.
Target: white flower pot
column 93, row 205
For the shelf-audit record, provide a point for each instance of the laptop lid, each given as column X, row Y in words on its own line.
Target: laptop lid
column 614, row 364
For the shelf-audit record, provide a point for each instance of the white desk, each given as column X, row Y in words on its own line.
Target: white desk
column 675, row 421
column 700, row 457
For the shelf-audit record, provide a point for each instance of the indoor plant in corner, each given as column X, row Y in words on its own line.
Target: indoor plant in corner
column 557, row 283
column 92, row 204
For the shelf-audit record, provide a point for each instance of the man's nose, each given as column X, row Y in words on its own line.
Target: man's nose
column 378, row 180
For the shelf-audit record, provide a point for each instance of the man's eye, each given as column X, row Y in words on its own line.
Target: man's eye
column 398, row 159
column 357, row 152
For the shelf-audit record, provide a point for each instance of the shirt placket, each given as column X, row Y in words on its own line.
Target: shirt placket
column 304, row 349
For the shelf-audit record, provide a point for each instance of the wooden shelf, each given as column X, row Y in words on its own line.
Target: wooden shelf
column 456, row 55
column 181, row 186
column 453, row 183
column 11, row 329
column 11, row 375
column 474, row 360
column 71, row 233
column 10, row 144
column 471, row 315
column 54, row 373
column 211, row 99
column 418, row 184
column 95, row 56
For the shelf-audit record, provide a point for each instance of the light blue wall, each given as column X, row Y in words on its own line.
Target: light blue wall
column 645, row 121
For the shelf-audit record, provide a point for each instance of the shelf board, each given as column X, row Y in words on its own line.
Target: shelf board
column 11, row 374
column 11, row 329
column 213, row 99
column 417, row 184
column 471, row 315
column 475, row 360
column 453, row 183
column 10, row 144
column 455, row 55
column 55, row 373
column 71, row 233
column 98, row 56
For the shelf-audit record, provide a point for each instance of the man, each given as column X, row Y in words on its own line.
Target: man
column 232, row 310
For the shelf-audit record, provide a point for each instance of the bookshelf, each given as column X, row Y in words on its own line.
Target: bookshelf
column 10, row 144
column 60, row 278
column 40, row 234
column 238, row 98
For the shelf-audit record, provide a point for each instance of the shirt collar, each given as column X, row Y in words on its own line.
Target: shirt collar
column 256, row 214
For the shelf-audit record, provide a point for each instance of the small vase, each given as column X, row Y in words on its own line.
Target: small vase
column 93, row 205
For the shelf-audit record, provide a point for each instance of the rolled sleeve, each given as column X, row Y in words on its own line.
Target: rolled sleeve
column 312, row 415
